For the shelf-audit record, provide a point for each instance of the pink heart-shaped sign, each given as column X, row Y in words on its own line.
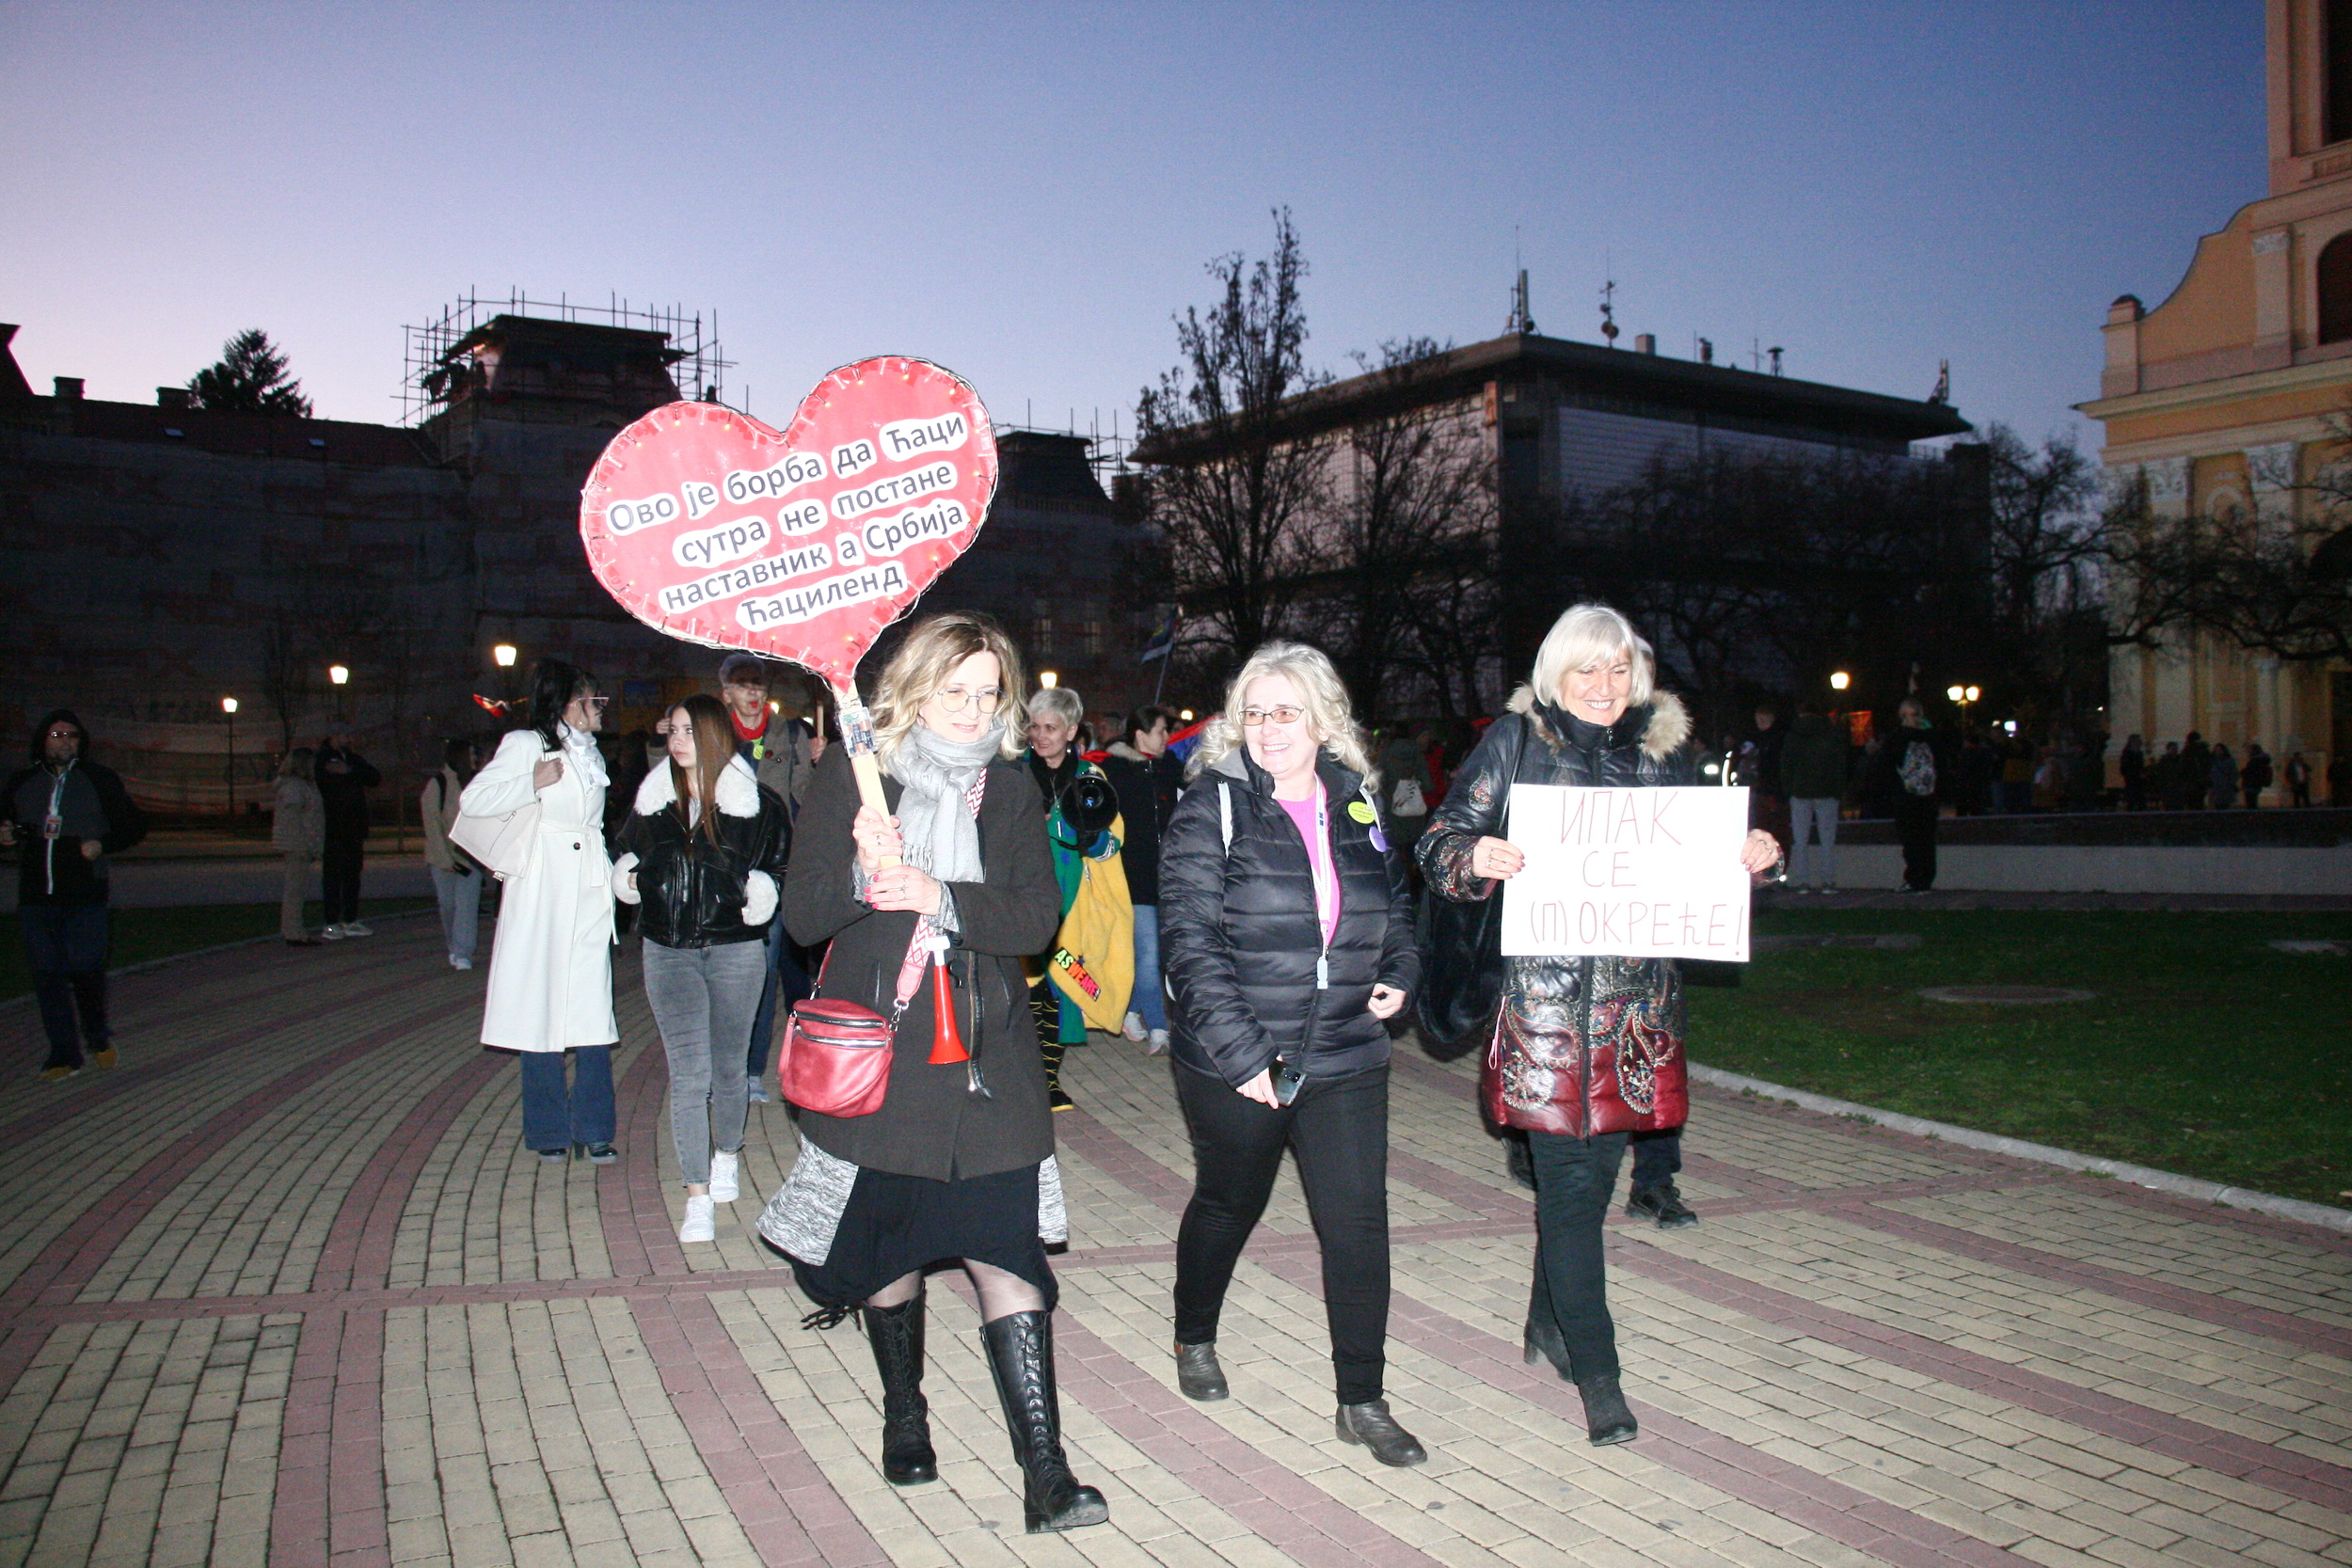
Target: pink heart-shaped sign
column 708, row 525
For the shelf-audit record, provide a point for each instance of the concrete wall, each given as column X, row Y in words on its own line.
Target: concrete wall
column 2100, row 868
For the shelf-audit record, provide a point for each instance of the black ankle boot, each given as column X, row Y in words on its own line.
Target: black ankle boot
column 1607, row 1418
column 897, row 1335
column 1056, row 1095
column 1021, row 1354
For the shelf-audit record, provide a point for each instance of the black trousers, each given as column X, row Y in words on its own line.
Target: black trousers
column 339, row 880
column 1915, row 825
column 1657, row 1157
column 1339, row 1129
column 1574, row 1179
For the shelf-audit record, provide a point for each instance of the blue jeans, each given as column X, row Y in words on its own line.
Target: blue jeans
column 460, row 895
column 1151, row 999
column 1574, row 1179
column 787, row 983
column 65, row 946
column 556, row 1117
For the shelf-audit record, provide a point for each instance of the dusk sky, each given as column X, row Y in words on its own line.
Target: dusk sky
column 1026, row 192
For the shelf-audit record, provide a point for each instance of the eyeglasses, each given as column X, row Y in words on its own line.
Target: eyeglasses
column 1253, row 717
column 65, row 734
column 951, row 699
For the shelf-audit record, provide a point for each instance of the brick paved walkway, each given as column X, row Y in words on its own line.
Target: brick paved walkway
column 284, row 1289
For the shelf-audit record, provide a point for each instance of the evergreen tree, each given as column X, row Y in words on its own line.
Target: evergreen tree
column 250, row 377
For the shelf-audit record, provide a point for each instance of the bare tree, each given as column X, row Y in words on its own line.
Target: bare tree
column 1407, row 516
column 2264, row 582
column 286, row 649
column 1225, row 489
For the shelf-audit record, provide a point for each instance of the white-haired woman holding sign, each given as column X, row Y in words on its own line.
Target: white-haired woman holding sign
column 1586, row 1050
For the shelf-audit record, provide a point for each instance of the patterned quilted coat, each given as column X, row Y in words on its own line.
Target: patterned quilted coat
column 1583, row 1046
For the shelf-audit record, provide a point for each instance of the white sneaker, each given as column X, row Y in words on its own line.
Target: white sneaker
column 1133, row 1029
column 352, row 929
column 1159, row 1043
column 723, row 1187
column 699, row 1226
column 461, row 963
column 331, row 933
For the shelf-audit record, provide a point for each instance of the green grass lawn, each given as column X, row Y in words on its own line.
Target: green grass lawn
column 2206, row 1051
column 143, row 934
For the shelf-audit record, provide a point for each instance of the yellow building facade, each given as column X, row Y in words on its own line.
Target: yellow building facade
column 2235, row 392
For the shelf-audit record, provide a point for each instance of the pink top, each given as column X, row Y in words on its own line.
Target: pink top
column 1311, row 817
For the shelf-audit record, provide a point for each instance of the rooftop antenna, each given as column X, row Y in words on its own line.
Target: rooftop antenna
column 1775, row 351
column 1519, row 322
column 1608, row 301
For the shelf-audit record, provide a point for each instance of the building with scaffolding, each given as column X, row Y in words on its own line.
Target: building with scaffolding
column 168, row 557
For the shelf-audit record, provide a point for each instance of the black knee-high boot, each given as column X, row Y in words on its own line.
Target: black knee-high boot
column 1020, row 1353
column 897, row 1335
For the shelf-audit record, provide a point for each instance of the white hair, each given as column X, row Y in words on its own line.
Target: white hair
column 1586, row 635
column 1322, row 697
column 1058, row 701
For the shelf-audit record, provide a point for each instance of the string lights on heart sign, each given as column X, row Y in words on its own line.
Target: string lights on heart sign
column 803, row 545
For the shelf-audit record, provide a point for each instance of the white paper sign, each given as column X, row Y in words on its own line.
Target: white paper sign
column 1641, row 873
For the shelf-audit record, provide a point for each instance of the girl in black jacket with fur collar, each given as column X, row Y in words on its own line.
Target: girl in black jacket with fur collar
column 1287, row 938
column 705, row 851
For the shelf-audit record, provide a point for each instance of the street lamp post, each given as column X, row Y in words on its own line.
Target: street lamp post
column 1839, row 680
column 228, row 708
column 341, row 675
column 502, row 654
column 1965, row 697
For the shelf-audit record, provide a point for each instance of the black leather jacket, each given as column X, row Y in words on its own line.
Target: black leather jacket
column 692, row 891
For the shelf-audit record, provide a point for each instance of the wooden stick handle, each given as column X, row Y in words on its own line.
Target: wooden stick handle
column 857, row 735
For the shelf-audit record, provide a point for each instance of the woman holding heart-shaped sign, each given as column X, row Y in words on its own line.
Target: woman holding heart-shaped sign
column 958, row 1159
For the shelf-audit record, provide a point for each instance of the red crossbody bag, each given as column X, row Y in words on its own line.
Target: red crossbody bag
column 836, row 1056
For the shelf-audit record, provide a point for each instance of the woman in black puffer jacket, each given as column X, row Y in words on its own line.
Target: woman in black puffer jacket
column 1286, row 933
column 704, row 850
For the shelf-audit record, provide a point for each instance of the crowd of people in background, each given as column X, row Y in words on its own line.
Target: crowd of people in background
column 1249, row 897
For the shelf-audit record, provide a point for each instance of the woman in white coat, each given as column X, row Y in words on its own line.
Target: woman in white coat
column 552, row 960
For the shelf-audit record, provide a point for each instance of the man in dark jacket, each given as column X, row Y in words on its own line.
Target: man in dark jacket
column 345, row 778
column 67, row 814
column 1147, row 781
column 1813, row 770
column 1915, row 764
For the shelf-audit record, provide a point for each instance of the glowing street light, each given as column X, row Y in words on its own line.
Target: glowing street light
column 339, row 675
column 228, row 708
column 1185, row 716
column 503, row 656
column 1048, row 679
column 1966, row 696
column 1839, row 680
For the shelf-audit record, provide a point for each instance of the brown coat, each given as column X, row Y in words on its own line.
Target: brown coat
column 929, row 1125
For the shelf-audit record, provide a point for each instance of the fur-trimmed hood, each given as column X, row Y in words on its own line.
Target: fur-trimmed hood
column 739, row 790
column 1667, row 731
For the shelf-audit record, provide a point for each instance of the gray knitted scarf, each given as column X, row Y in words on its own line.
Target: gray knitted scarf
column 940, row 835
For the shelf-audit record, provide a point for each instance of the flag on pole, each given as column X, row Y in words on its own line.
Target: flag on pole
column 1162, row 641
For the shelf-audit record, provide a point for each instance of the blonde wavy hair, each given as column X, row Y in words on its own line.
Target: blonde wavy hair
column 934, row 647
column 1330, row 717
column 1585, row 635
